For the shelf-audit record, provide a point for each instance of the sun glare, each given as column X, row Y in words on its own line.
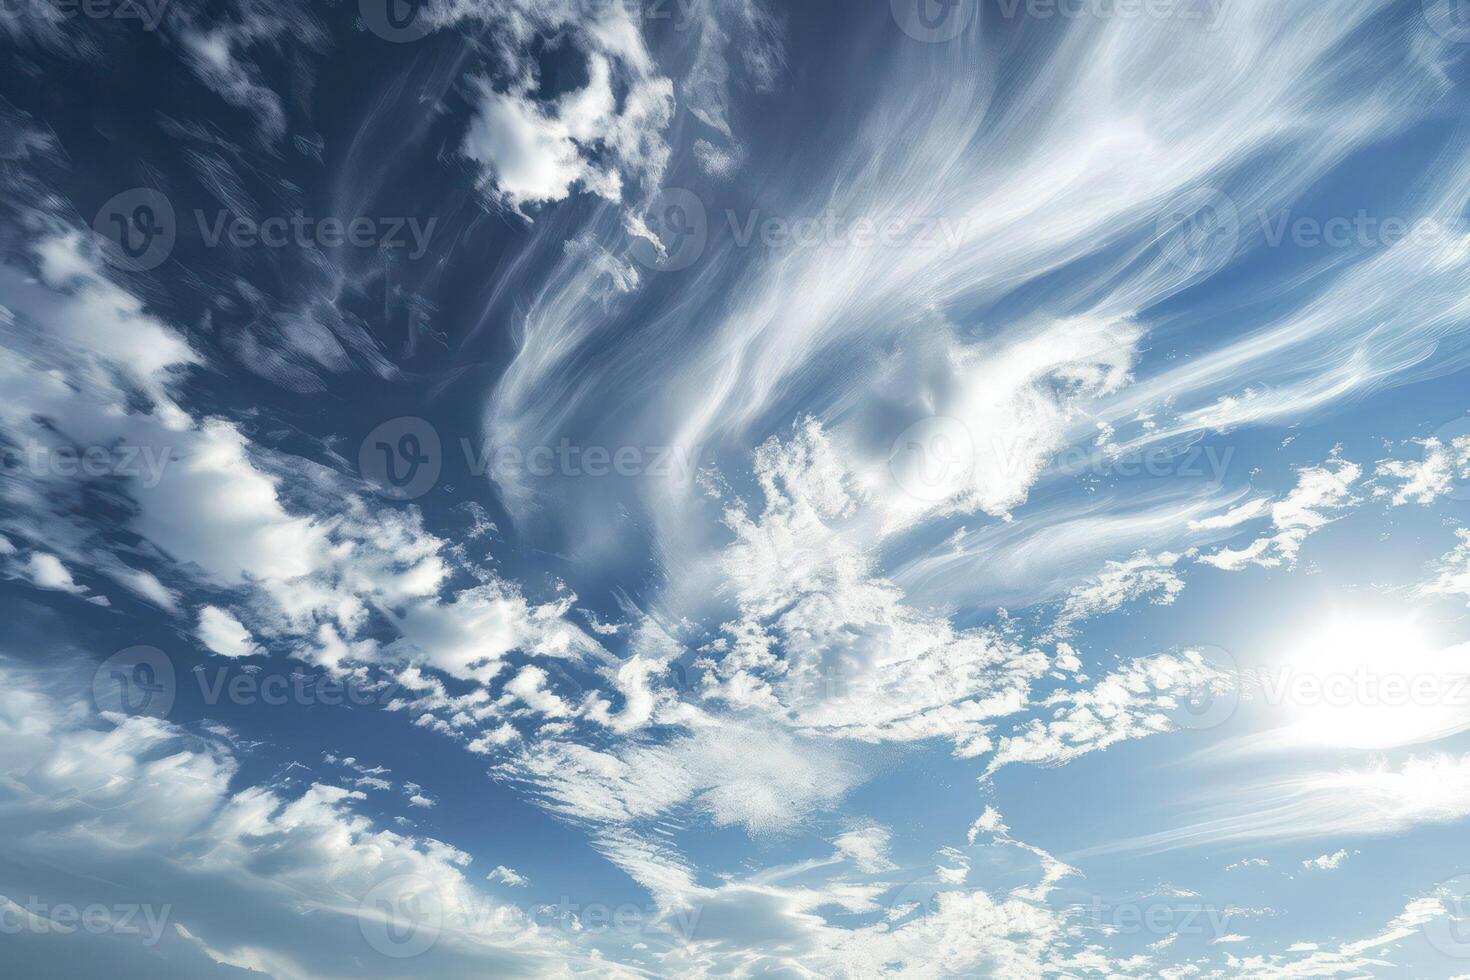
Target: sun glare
column 1365, row 682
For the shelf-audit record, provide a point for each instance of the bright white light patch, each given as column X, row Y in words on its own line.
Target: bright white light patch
column 1370, row 683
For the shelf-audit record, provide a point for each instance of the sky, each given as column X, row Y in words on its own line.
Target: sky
column 735, row 488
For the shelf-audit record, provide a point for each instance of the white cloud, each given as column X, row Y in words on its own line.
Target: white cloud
column 1248, row 863
column 1320, row 493
column 1424, row 481
column 47, row 572
column 218, row 52
column 507, row 876
column 867, row 848
column 1142, row 576
column 1453, row 570
column 252, row 877
column 1377, row 800
column 1133, row 702
column 221, row 632
column 534, row 152
column 1326, row 862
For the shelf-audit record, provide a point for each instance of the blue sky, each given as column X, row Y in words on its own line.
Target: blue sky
column 729, row 488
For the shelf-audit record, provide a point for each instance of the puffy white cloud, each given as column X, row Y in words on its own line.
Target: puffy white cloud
column 832, row 646
column 1326, row 862
column 533, row 152
column 221, row 632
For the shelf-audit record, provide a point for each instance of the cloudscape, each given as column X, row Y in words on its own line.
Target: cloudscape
column 734, row 488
